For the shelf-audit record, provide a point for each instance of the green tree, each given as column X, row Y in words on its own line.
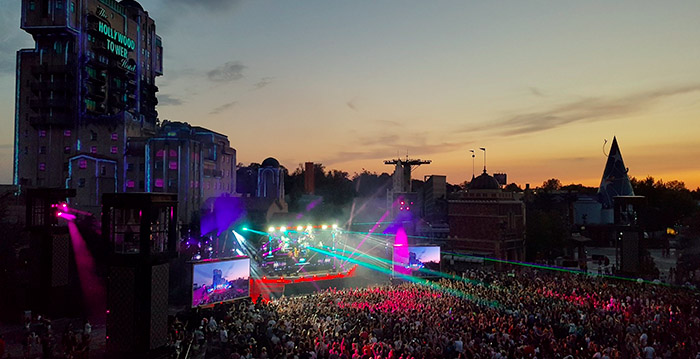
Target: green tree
column 667, row 203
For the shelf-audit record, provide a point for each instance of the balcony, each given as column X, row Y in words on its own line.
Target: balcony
column 100, row 78
column 97, row 92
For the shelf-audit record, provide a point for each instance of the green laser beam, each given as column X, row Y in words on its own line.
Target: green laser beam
column 420, row 281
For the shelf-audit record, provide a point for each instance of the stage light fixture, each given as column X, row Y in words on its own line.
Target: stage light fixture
column 324, row 226
column 283, row 229
column 335, row 226
column 271, row 229
column 299, row 228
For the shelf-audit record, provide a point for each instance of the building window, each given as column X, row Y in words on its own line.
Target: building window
column 42, row 166
column 72, row 6
column 57, row 47
column 173, row 153
column 82, row 164
column 93, row 136
column 159, row 183
column 91, row 105
column 42, row 133
column 81, row 182
column 130, row 167
column 115, row 137
column 66, row 133
column 42, row 150
column 173, row 165
column 130, row 184
column 66, row 149
column 142, row 167
column 113, row 149
column 59, row 4
column 141, row 184
column 160, row 153
column 93, row 149
column 103, row 171
column 26, row 150
column 32, row 6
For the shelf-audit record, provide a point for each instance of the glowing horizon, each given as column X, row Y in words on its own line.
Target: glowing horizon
column 349, row 85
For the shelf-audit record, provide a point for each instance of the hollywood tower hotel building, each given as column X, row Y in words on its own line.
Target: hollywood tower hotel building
column 86, row 96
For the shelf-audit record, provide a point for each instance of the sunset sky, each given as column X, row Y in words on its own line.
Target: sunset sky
column 540, row 84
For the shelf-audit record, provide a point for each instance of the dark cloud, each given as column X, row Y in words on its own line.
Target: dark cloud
column 387, row 146
column 262, row 83
column 167, row 100
column 388, row 122
column 581, row 111
column 535, row 91
column 223, row 108
column 379, row 140
column 351, row 104
column 230, row 71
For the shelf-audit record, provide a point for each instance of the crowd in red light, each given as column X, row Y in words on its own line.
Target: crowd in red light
column 522, row 314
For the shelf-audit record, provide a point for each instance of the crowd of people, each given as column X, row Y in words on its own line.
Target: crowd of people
column 494, row 315
column 41, row 340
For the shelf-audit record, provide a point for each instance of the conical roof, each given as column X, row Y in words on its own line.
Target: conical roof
column 615, row 181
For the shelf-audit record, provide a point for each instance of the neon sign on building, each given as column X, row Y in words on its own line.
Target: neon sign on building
column 121, row 44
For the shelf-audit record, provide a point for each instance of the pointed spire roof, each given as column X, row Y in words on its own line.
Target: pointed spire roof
column 615, row 181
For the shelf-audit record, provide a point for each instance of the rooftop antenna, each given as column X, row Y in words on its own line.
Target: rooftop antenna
column 473, row 155
column 484, row 149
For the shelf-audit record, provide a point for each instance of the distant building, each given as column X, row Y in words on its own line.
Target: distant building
column 485, row 221
column 262, row 190
column 615, row 182
column 270, row 180
column 196, row 163
column 433, row 205
column 84, row 91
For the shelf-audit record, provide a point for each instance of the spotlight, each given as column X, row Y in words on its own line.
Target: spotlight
column 283, row 229
column 58, row 214
column 335, row 226
column 324, row 226
column 308, row 227
column 299, row 228
column 271, row 229
column 245, row 228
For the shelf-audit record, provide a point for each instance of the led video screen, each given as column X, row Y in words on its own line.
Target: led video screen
column 414, row 260
column 220, row 281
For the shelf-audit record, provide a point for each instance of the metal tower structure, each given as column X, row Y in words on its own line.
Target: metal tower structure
column 402, row 172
